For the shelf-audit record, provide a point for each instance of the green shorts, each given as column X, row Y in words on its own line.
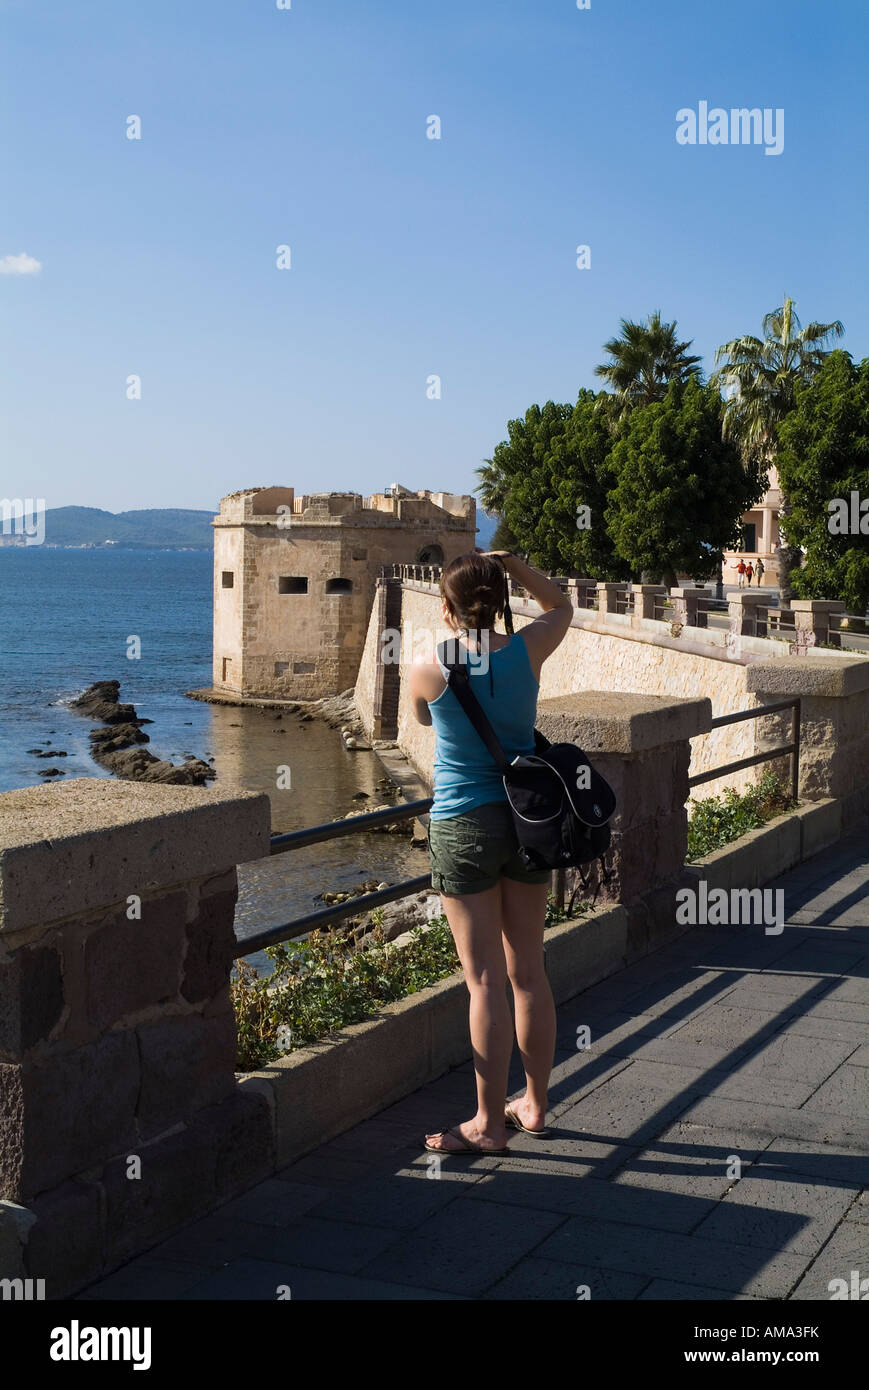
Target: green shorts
column 472, row 851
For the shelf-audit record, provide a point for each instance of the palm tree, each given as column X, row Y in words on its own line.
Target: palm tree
column 762, row 377
column 492, row 487
column 645, row 359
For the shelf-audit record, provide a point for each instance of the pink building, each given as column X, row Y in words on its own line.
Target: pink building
column 761, row 533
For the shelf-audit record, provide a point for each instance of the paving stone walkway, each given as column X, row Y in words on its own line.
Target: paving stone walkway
column 729, row 1051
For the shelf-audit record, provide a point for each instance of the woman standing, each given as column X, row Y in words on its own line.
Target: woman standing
column 495, row 906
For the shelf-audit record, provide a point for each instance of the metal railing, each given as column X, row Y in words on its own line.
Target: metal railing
column 792, row 748
column 368, row 820
column 324, row 917
column 854, row 623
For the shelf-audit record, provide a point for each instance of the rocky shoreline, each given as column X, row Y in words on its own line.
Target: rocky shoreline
column 117, row 745
column 338, row 711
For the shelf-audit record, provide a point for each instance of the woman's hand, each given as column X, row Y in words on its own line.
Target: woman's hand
column 502, row 555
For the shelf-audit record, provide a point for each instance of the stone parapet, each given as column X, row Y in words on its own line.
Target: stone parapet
column 640, row 744
column 748, row 614
column 834, row 724
column 689, row 606
column 120, row 1115
column 812, row 621
column 611, row 597
column 647, row 599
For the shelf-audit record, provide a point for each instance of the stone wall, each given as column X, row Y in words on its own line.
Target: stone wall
column 586, row 660
column 619, row 654
column 120, row 1113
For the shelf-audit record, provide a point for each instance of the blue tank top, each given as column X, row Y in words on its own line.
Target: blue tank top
column 465, row 773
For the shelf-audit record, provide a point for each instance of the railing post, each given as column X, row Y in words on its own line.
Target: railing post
column 795, row 756
column 743, row 609
column 608, row 596
column 812, row 621
column 687, row 606
column 646, row 598
column 641, row 745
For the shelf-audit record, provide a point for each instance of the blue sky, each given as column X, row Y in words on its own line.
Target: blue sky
column 410, row 257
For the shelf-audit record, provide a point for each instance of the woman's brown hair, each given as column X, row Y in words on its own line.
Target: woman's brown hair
column 476, row 591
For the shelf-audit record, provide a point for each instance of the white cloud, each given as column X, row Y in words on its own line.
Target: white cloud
column 22, row 264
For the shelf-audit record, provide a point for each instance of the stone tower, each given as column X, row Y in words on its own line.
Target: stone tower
column 294, row 579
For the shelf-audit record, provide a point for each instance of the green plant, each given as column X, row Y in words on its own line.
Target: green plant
column 326, row 982
column 717, row 820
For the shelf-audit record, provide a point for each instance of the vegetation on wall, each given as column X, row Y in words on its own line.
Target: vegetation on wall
column 715, row 821
column 327, row 981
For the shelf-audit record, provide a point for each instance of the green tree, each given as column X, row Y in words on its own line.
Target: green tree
column 762, row 376
column 491, row 488
column 645, row 359
column 557, row 502
column 824, row 456
column 681, row 487
column 521, row 452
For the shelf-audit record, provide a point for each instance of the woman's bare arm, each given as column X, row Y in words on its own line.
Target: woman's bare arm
column 426, row 683
column 543, row 634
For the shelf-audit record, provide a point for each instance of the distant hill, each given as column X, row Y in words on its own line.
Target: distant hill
column 155, row 527
column 159, row 528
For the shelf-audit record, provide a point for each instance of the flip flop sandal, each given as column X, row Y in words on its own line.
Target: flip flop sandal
column 467, row 1146
column 513, row 1119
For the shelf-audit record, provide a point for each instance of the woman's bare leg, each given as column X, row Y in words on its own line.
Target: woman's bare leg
column 476, row 923
column 524, row 914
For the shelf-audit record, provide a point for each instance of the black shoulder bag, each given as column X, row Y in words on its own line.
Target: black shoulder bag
column 561, row 805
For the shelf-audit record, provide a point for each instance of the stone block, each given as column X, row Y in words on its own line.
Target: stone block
column 808, row 676
column 820, row 826
column 240, row 1134
column 90, row 842
column 584, row 951
column 211, row 947
column 188, row 1062
column 16, row 1223
column 132, row 965
column 63, row 1114
column 617, row 722
column 177, row 1183
column 66, row 1243
column 322, row 1090
column 661, row 904
column 639, row 924
column 31, row 998
column 446, row 1030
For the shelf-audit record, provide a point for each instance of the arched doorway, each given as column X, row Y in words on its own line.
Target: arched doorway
column 430, row 555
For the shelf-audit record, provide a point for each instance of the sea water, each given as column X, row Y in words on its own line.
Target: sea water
column 69, row 617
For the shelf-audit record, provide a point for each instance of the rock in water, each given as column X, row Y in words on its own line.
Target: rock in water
column 100, row 701
column 116, row 745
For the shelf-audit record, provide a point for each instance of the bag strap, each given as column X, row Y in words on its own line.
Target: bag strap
column 460, row 684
